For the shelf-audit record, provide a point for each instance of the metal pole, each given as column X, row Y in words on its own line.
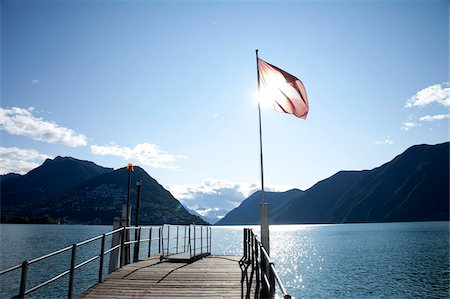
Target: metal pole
column 264, row 206
column 185, row 238
column 160, row 242
column 195, row 240
column 168, row 239
column 136, row 233
column 260, row 132
column 190, row 244
column 178, row 228
column 138, row 204
column 130, row 169
column 23, row 279
column 73, row 263
column 201, row 239
column 122, row 247
column 102, row 258
column 128, row 217
column 150, row 242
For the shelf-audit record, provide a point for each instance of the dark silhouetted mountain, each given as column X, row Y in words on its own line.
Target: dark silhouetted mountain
column 100, row 199
column 248, row 212
column 51, row 178
column 414, row 186
column 6, row 177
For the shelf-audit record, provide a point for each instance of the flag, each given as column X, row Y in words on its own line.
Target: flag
column 284, row 92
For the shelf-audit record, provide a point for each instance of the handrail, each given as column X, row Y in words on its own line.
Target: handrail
column 49, row 255
column 189, row 240
column 103, row 251
column 266, row 275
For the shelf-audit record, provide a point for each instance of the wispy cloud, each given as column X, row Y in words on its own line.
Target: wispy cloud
column 146, row 153
column 434, row 117
column 17, row 160
column 385, row 142
column 19, row 121
column 438, row 93
column 35, row 81
column 409, row 125
column 215, row 197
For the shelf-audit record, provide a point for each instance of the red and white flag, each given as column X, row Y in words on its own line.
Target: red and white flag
column 283, row 91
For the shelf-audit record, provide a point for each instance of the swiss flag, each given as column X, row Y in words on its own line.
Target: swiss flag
column 284, row 92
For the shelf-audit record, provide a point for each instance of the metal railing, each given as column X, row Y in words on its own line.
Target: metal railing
column 192, row 239
column 255, row 255
column 123, row 246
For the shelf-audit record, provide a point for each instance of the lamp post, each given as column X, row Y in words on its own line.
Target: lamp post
column 138, row 204
column 130, row 169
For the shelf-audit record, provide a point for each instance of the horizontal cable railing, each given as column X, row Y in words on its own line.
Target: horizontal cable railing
column 266, row 275
column 121, row 249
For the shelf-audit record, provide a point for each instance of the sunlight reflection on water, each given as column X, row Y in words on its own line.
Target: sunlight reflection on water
column 388, row 260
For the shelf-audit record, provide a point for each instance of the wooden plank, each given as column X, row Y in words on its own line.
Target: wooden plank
column 209, row 277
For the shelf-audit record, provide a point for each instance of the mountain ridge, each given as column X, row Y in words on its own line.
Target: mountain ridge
column 94, row 199
column 411, row 187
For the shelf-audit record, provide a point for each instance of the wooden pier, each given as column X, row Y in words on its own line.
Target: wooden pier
column 209, row 277
column 178, row 265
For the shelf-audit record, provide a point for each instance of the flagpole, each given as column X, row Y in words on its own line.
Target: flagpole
column 264, row 206
column 260, row 134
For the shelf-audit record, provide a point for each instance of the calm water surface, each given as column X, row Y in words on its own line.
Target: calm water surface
column 389, row 260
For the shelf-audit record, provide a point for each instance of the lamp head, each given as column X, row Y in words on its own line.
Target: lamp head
column 130, row 167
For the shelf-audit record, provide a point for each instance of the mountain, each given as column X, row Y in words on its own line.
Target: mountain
column 51, row 178
column 248, row 212
column 96, row 200
column 414, row 186
column 9, row 176
column 209, row 215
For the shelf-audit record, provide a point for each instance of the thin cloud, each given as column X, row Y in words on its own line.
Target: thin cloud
column 385, row 142
column 409, row 125
column 35, row 81
column 146, row 153
column 214, row 198
column 434, row 117
column 438, row 93
column 22, row 122
column 17, row 160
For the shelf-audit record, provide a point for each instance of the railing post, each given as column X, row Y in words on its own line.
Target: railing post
column 210, row 238
column 271, row 280
column 265, row 287
column 137, row 245
column 177, row 238
column 254, row 247
column 245, row 244
column 184, row 250
column 255, row 263
column 73, row 263
column 23, row 280
column 201, row 239
column 160, row 243
column 168, row 239
column 190, row 244
column 195, row 240
column 150, row 242
column 122, row 241
column 102, row 258
column 208, row 250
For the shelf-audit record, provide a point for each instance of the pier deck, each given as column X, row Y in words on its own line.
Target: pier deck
column 210, row 277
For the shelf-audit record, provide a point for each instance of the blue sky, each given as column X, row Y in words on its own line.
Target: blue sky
column 170, row 86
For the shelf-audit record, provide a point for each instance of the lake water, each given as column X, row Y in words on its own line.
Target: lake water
column 387, row 260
